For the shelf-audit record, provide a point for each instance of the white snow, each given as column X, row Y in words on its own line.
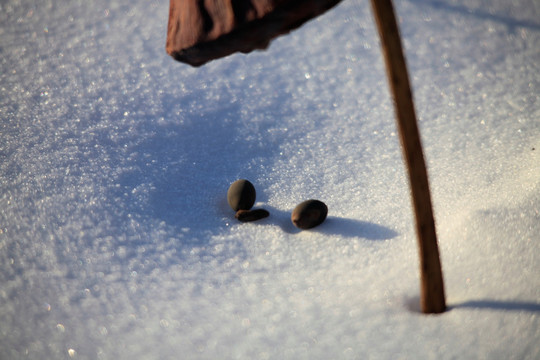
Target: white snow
column 116, row 241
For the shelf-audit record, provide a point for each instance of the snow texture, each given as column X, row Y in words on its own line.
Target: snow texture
column 116, row 240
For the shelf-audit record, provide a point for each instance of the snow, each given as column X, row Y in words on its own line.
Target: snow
column 116, row 240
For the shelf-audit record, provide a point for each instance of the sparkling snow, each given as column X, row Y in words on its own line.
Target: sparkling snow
column 116, row 240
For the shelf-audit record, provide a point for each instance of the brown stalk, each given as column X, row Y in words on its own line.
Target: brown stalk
column 432, row 299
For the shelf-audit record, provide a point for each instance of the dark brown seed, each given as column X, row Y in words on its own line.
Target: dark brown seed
column 251, row 215
column 241, row 195
column 309, row 214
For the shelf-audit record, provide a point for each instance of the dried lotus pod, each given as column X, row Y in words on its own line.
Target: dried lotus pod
column 309, row 214
column 241, row 195
column 200, row 31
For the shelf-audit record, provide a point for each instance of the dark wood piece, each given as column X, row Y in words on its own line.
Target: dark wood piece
column 251, row 215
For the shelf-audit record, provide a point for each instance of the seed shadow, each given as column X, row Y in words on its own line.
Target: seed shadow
column 356, row 228
column 334, row 225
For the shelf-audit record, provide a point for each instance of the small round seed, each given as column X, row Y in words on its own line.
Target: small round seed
column 251, row 215
column 241, row 195
column 309, row 214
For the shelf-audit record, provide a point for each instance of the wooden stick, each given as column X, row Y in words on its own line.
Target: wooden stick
column 432, row 299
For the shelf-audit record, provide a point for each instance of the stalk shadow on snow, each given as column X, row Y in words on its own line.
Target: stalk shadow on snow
column 413, row 304
column 478, row 13
column 333, row 225
column 487, row 304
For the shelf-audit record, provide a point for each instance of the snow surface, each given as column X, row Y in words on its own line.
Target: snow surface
column 116, row 241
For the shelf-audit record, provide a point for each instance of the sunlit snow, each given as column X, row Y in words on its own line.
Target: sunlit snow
column 116, row 240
